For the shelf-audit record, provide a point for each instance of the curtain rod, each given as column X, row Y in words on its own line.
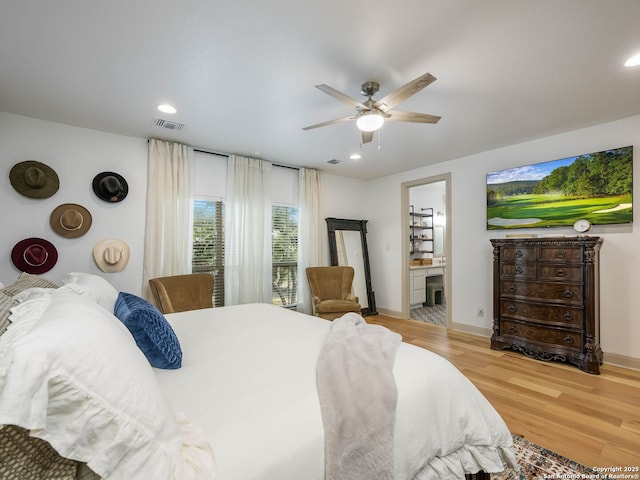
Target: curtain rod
column 219, row 154
column 199, row 150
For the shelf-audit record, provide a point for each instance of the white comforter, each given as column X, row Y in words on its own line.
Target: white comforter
column 249, row 381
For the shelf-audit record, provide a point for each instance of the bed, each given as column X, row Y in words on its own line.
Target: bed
column 241, row 404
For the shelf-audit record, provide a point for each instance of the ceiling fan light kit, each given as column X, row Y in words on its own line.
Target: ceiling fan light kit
column 370, row 121
column 371, row 114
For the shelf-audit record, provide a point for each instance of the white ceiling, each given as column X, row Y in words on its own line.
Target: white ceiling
column 242, row 73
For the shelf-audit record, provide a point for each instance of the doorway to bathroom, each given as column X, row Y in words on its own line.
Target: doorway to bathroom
column 427, row 260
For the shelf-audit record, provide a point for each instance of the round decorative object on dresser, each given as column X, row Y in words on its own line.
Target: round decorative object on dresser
column 582, row 226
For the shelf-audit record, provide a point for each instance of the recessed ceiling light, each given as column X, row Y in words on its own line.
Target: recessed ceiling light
column 355, row 156
column 633, row 61
column 165, row 108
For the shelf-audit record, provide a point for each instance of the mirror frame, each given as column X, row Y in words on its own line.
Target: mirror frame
column 334, row 224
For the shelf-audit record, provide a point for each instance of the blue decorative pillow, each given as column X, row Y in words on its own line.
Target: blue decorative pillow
column 150, row 330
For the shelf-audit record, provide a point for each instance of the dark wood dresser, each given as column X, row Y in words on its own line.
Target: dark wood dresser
column 546, row 299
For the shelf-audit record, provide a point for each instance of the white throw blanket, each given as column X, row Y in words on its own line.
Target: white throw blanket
column 358, row 398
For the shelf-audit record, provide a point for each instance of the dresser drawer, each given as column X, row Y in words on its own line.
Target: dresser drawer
column 561, row 337
column 519, row 253
column 568, row 254
column 547, row 314
column 572, row 273
column 555, row 292
column 524, row 270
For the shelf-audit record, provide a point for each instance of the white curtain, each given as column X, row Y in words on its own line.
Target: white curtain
column 309, row 232
column 247, row 236
column 168, row 219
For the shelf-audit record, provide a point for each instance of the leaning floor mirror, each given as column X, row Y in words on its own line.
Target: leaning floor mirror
column 348, row 246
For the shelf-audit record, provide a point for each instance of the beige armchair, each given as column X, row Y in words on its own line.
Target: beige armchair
column 178, row 293
column 331, row 291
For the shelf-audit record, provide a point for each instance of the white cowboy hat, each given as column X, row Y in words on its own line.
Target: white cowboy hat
column 111, row 254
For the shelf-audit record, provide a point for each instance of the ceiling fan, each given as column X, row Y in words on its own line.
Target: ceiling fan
column 371, row 114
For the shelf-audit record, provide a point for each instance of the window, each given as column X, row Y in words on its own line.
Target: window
column 208, row 243
column 208, row 249
column 284, row 256
column 208, row 227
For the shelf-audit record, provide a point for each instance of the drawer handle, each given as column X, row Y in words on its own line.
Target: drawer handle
column 568, row 294
column 518, row 269
column 560, row 254
column 518, row 253
column 567, row 317
column 512, row 308
column 560, row 273
column 513, row 329
column 513, row 289
column 569, row 339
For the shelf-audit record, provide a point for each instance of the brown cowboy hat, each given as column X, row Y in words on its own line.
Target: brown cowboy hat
column 34, row 255
column 34, row 179
column 70, row 220
column 110, row 187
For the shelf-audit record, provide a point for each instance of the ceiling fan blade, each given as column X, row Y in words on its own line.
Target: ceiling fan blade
column 330, row 122
column 401, row 94
column 367, row 137
column 400, row 116
column 342, row 97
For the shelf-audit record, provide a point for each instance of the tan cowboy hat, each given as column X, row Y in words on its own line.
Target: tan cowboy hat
column 70, row 220
column 34, row 179
column 111, row 254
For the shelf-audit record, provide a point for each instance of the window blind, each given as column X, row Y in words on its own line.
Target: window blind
column 208, row 243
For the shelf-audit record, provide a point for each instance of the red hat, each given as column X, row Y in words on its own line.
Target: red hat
column 34, row 255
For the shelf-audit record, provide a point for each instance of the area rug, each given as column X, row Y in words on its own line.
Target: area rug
column 537, row 463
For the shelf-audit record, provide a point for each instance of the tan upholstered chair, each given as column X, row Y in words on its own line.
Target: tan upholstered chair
column 331, row 291
column 183, row 292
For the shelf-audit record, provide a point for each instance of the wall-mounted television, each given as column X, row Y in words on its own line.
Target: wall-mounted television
column 596, row 186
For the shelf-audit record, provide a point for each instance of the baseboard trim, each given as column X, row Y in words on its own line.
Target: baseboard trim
column 621, row 361
column 608, row 358
column 472, row 329
column 389, row 313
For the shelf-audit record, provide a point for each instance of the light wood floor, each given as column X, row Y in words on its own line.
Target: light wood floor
column 592, row 419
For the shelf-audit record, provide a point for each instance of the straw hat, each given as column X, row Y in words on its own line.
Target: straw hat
column 70, row 220
column 34, row 179
column 111, row 254
column 110, row 187
column 34, row 255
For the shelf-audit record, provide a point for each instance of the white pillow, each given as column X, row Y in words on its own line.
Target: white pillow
column 93, row 287
column 72, row 374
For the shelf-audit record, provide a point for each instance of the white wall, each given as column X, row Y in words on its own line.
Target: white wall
column 77, row 155
column 471, row 255
column 342, row 197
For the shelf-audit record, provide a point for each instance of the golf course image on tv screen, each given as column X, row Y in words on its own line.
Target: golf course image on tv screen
column 595, row 186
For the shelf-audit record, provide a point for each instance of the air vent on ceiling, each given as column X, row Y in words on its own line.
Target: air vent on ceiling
column 161, row 122
column 334, row 161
